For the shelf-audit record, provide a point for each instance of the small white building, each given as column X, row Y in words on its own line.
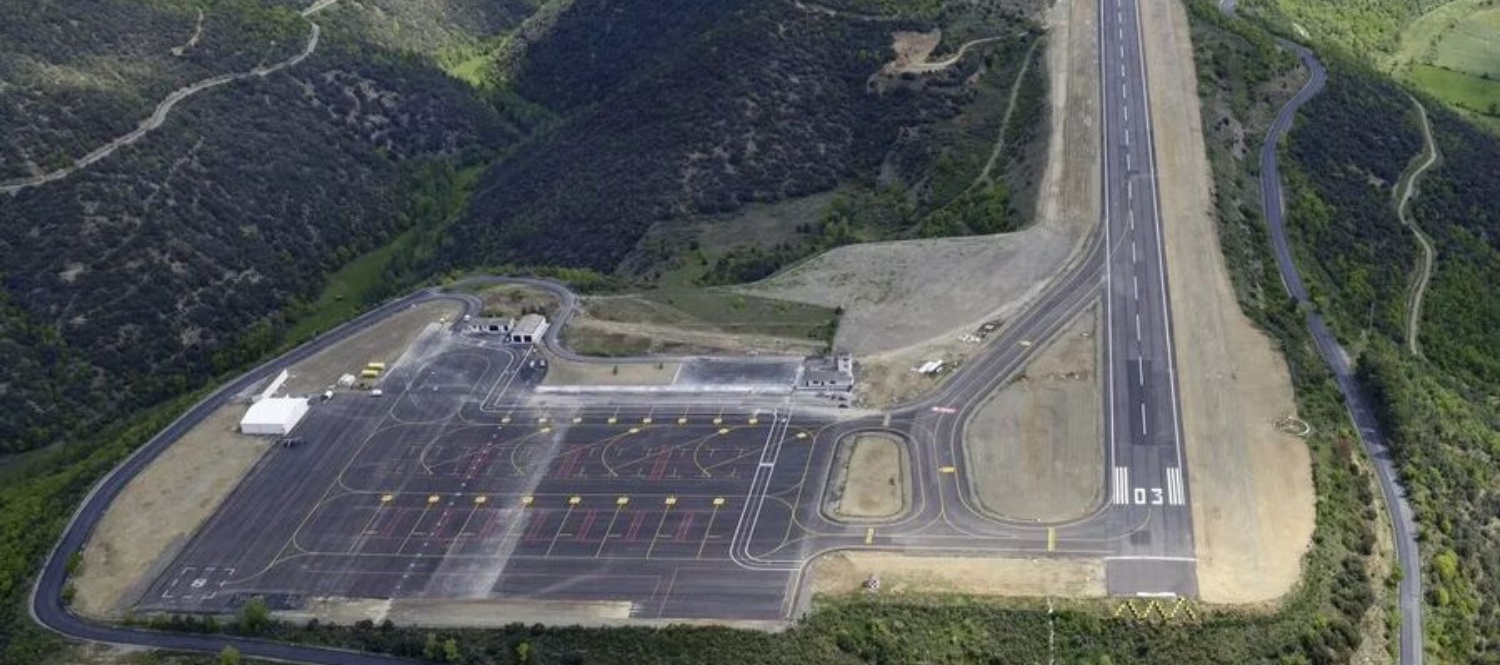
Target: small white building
column 275, row 416
column 528, row 329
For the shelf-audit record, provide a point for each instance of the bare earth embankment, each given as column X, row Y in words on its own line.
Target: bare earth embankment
column 1251, row 485
column 154, row 516
column 1033, row 448
column 899, row 298
column 844, row 572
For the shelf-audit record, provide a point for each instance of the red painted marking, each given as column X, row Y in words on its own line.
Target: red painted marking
column 635, row 526
column 489, row 523
column 659, row 468
column 683, row 526
column 534, row 528
column 583, row 529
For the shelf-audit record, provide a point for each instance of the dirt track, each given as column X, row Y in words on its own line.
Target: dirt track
column 1251, row 485
column 898, row 297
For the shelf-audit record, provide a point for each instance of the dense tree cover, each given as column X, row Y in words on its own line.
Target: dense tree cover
column 1441, row 413
column 1458, row 205
column 688, row 108
column 164, row 263
column 80, row 73
column 1353, row 249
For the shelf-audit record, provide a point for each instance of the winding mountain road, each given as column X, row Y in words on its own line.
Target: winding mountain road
column 159, row 114
column 1403, row 521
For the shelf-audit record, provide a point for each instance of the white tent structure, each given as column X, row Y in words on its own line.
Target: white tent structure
column 273, row 415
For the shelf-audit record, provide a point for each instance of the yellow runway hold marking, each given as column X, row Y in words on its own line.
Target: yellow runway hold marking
column 646, row 420
column 433, row 499
column 575, row 500
column 387, row 498
column 723, row 430
column 481, row 499
column 612, row 420
column 526, row 500
column 718, row 501
column 622, row 500
column 947, row 469
column 682, row 421
column 671, row 501
column 1051, row 539
column 869, row 535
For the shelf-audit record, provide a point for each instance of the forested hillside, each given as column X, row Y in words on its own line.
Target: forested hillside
column 1441, row 412
column 681, row 108
column 170, row 260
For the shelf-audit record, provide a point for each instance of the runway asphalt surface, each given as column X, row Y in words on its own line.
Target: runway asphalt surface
column 459, row 483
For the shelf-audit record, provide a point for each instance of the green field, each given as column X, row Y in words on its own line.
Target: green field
column 348, row 290
column 1468, row 92
column 1453, row 53
column 1473, row 45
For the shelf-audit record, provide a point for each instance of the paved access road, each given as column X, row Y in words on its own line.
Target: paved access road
column 1403, row 519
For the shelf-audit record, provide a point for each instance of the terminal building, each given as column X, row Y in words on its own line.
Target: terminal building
column 834, row 374
column 526, row 330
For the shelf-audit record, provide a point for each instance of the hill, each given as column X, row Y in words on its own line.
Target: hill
column 679, row 109
column 178, row 256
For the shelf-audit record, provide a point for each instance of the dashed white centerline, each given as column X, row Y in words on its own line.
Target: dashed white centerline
column 1140, row 371
column 1127, row 159
column 1130, row 217
column 1137, row 325
column 1132, row 250
column 1143, row 417
column 1135, row 285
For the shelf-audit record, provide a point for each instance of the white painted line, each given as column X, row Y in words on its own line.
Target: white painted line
column 1135, row 285
column 1127, row 158
column 1132, row 250
column 1130, row 215
column 1126, row 109
column 1127, row 139
column 1130, row 191
column 1174, row 486
column 1138, row 326
column 1143, row 418
column 1140, row 371
column 1121, row 488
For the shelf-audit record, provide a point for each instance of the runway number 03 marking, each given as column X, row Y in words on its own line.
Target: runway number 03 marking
column 1171, row 495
